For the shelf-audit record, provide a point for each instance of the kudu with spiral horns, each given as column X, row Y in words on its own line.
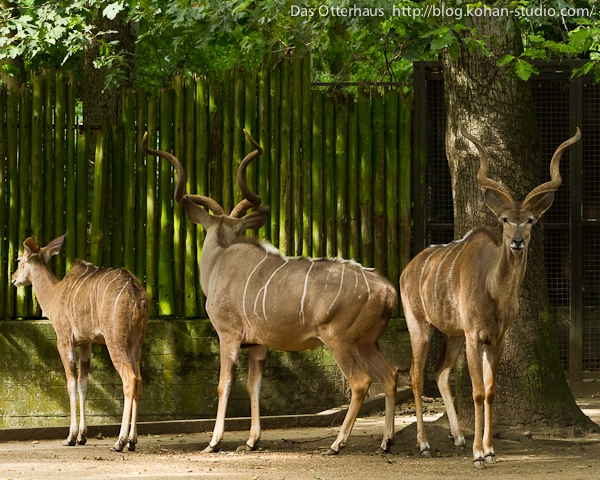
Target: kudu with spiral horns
column 468, row 290
column 256, row 297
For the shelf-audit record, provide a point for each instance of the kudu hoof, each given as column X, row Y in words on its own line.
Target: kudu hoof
column 210, row 449
column 426, row 453
column 69, row 442
column 491, row 458
column 131, row 446
column 247, row 448
column 479, row 463
column 81, row 440
column 117, row 447
column 330, row 452
column 386, row 446
column 461, row 450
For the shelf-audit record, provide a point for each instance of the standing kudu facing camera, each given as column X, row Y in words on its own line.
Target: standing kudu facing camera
column 468, row 290
column 91, row 305
column 257, row 297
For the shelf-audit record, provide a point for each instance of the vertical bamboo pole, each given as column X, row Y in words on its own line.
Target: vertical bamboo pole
column 256, row 168
column 264, row 139
column 141, row 181
column 366, row 175
column 12, row 128
column 190, row 305
column 404, row 138
column 101, row 159
column 48, row 156
column 37, row 163
column 165, row 200
column 296, row 215
column 129, row 179
column 3, row 257
column 59, row 167
column 151, row 206
column 285, row 180
column 329, row 175
column 215, row 169
column 274, row 105
column 353, row 185
column 341, row 176
column 117, row 205
column 379, row 252
column 23, row 294
column 71, row 191
column 391, row 185
column 82, row 195
column 202, row 159
column 178, row 228
column 306, row 160
column 237, row 136
column 318, row 199
column 227, row 151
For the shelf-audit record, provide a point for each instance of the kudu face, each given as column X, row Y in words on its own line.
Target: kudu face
column 517, row 219
column 33, row 253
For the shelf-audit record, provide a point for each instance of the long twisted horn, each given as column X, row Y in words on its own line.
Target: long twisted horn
column 180, row 198
column 484, row 167
column 555, row 177
column 251, row 199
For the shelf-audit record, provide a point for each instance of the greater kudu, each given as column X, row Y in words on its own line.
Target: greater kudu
column 468, row 290
column 256, row 297
column 91, row 305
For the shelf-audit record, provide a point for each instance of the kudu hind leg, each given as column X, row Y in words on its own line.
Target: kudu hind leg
column 351, row 366
column 135, row 356
column 387, row 375
column 84, row 368
column 229, row 359
column 256, row 365
column 120, row 359
column 450, row 351
column 420, row 336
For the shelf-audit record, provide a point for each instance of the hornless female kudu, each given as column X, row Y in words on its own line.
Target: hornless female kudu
column 468, row 290
column 257, row 297
column 91, row 305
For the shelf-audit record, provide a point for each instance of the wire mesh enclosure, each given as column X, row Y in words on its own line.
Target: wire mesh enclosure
column 571, row 226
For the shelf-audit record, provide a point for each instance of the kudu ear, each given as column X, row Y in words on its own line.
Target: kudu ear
column 31, row 246
column 253, row 220
column 493, row 202
column 538, row 205
column 198, row 214
column 52, row 248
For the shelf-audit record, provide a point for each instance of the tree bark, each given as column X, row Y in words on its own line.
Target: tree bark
column 13, row 81
column 100, row 103
column 498, row 108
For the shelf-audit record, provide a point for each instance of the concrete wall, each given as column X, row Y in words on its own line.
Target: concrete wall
column 180, row 370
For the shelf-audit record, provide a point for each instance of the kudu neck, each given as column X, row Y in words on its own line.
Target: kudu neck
column 507, row 269
column 44, row 285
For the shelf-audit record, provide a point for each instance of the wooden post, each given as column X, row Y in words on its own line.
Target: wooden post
column 23, row 294
column 70, row 186
column 318, row 199
column 227, row 152
column 366, row 175
column 12, row 128
column 329, row 176
column 237, row 135
column 296, row 214
column 353, row 183
column 341, row 176
column 263, row 135
column 141, row 182
column 274, row 105
column 48, row 157
column 37, row 165
column 98, row 203
column 378, row 198
column 306, row 159
column 82, row 194
column 178, row 227
column 190, row 303
column 404, row 139
column 202, row 160
column 3, row 257
column 129, row 181
column 152, row 206
column 59, row 168
column 115, row 255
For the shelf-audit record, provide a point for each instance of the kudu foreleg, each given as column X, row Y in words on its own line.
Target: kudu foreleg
column 229, row 360
column 256, row 365
column 84, row 368
column 450, row 351
column 491, row 360
column 475, row 361
column 67, row 355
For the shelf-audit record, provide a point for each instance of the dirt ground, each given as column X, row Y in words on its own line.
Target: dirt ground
column 296, row 454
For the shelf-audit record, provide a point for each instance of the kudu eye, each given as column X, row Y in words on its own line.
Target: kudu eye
column 530, row 220
column 505, row 220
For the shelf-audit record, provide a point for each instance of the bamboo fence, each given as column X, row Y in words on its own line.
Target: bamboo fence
column 335, row 171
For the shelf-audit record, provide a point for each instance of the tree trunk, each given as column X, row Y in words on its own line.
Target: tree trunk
column 15, row 79
column 99, row 103
column 498, row 108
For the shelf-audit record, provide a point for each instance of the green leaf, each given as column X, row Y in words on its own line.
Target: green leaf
column 524, row 69
column 505, row 60
column 112, row 10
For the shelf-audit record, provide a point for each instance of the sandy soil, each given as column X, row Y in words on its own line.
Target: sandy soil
column 296, row 454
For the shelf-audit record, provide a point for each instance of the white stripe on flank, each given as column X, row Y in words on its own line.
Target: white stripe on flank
column 449, row 279
column 267, row 284
column 117, row 301
column 312, row 264
column 97, row 289
column 248, row 281
column 77, row 291
column 73, row 286
column 339, row 290
column 439, row 267
column 104, row 294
